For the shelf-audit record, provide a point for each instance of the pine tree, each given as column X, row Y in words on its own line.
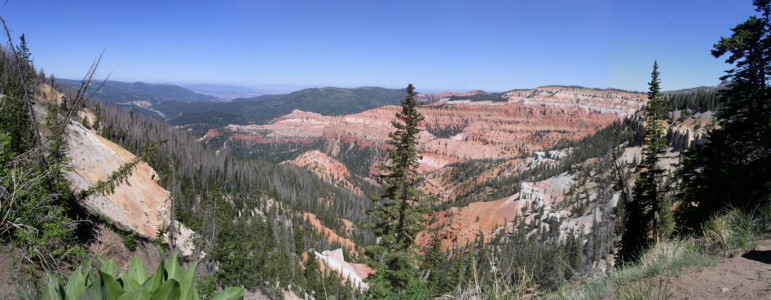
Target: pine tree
column 649, row 215
column 456, row 274
column 574, row 255
column 734, row 166
column 398, row 216
column 432, row 263
column 313, row 276
column 38, row 212
column 16, row 88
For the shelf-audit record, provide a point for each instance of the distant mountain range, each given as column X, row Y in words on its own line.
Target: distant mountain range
column 123, row 92
column 180, row 106
column 230, row 92
column 263, row 109
column 183, row 107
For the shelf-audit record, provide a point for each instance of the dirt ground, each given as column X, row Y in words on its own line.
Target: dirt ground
column 744, row 276
column 7, row 283
column 14, row 277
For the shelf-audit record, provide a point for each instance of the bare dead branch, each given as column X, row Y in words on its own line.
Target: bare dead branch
column 84, row 85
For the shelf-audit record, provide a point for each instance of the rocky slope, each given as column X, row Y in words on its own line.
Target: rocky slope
column 330, row 234
column 137, row 205
column 356, row 273
column 459, row 226
column 687, row 131
column 326, row 168
column 140, row 205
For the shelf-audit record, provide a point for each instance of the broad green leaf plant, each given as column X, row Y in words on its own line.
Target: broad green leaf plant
column 168, row 282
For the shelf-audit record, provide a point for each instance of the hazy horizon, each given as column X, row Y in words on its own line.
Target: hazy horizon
column 436, row 45
column 289, row 88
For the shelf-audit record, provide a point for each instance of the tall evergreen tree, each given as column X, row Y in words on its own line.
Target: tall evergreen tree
column 649, row 215
column 734, row 167
column 16, row 87
column 313, row 276
column 455, row 275
column 398, row 216
column 433, row 258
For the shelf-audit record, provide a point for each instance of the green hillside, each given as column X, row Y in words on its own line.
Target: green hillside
column 262, row 109
column 117, row 92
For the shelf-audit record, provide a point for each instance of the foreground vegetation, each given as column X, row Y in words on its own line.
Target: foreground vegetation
column 627, row 282
column 723, row 234
column 169, row 281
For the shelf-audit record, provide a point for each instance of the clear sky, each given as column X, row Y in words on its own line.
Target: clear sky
column 436, row 45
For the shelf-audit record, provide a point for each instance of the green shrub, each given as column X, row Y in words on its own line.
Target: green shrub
column 129, row 240
column 416, row 289
column 730, row 230
column 168, row 282
column 671, row 255
column 33, row 216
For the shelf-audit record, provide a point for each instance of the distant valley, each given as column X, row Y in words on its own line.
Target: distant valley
column 496, row 166
column 523, row 154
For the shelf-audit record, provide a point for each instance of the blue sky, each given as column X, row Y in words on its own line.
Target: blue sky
column 436, row 45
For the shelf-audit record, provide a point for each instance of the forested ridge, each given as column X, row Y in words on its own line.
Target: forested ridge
column 117, row 92
column 262, row 109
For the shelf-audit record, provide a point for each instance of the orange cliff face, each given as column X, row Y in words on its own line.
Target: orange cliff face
column 326, row 168
column 140, row 205
column 458, row 226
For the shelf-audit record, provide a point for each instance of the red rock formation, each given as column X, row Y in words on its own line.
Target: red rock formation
column 331, row 235
column 602, row 101
column 461, row 225
column 529, row 121
column 326, row 168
